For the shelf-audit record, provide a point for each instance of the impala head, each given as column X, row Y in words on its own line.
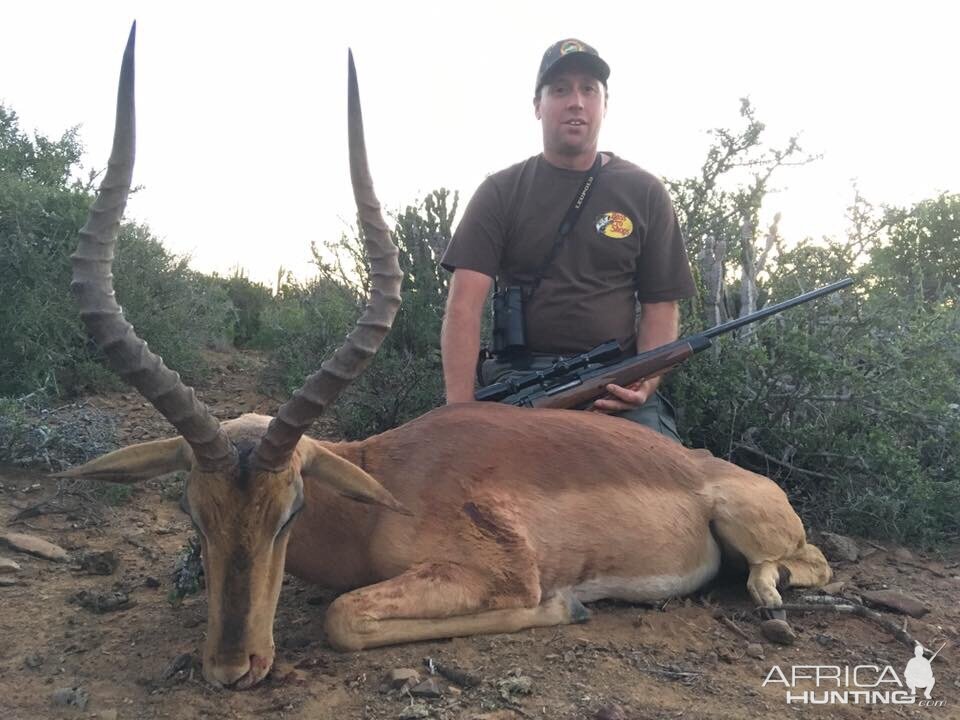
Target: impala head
column 245, row 482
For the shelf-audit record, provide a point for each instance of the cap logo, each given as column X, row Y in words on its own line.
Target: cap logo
column 614, row 225
column 570, row 46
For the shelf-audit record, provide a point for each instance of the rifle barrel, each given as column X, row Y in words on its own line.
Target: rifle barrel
column 779, row 307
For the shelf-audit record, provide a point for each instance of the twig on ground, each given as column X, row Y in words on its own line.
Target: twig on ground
column 897, row 632
column 41, row 508
column 730, row 624
column 919, row 566
column 668, row 672
column 824, row 600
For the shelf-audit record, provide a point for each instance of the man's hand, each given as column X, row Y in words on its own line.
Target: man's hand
column 659, row 324
column 630, row 397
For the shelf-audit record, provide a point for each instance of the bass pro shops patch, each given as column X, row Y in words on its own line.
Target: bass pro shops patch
column 614, row 225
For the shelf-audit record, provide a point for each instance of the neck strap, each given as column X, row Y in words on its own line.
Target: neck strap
column 569, row 219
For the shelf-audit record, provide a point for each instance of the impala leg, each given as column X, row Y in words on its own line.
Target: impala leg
column 440, row 600
column 753, row 516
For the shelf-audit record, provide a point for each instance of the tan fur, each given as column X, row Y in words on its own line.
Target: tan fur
column 513, row 514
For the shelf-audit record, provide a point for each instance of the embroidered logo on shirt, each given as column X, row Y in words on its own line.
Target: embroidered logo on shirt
column 614, row 225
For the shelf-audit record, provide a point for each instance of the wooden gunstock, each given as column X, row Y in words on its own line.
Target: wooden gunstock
column 623, row 373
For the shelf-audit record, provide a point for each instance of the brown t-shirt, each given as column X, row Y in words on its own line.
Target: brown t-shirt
column 626, row 245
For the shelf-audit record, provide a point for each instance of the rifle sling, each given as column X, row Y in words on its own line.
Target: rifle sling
column 567, row 224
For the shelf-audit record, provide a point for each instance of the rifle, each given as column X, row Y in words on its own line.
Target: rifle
column 571, row 384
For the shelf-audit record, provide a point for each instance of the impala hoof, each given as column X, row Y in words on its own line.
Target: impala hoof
column 578, row 611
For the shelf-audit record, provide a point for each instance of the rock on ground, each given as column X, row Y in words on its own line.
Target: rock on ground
column 34, row 546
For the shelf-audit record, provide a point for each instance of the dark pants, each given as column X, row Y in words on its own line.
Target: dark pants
column 656, row 413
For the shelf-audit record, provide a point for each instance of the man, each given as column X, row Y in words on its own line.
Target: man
column 625, row 247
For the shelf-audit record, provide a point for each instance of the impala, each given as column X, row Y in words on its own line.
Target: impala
column 474, row 518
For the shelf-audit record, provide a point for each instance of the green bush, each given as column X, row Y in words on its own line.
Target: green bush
column 405, row 379
column 850, row 403
column 303, row 325
column 43, row 344
column 179, row 312
column 250, row 302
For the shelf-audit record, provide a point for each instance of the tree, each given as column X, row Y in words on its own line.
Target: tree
column 920, row 257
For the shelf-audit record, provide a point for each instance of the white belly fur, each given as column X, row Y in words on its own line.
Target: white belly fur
column 650, row 587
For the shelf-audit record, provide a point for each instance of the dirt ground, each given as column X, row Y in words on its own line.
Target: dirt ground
column 690, row 658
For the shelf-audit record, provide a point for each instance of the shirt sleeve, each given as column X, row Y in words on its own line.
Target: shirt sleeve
column 477, row 244
column 663, row 270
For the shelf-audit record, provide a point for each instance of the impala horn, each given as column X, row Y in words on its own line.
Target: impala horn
column 320, row 389
column 93, row 288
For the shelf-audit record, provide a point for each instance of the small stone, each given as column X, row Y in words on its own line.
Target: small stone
column 34, row 546
column 99, row 563
column 414, row 712
column 834, row 588
column 103, row 602
column 151, row 582
column 181, row 663
column 107, row 715
column 77, row 697
column 7, row 581
column 398, row 677
column 458, row 676
column 726, row 657
column 33, row 661
column 755, row 650
column 903, row 554
column 896, row 601
column 510, row 688
column 8, row 566
column 610, row 712
column 778, row 631
column 429, row 688
column 839, row 547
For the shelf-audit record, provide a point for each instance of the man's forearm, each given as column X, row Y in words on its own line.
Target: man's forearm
column 659, row 325
column 460, row 345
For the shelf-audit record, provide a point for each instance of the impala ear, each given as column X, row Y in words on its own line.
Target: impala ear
column 136, row 462
column 344, row 477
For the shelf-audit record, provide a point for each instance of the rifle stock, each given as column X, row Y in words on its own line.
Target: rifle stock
column 580, row 389
column 571, row 384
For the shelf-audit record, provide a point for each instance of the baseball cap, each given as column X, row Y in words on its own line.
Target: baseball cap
column 565, row 52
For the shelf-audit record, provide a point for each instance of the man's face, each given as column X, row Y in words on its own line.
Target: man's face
column 571, row 108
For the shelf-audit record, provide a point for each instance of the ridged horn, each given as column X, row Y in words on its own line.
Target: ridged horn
column 92, row 287
column 320, row 389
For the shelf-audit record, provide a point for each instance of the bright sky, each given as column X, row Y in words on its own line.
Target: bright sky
column 241, row 108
